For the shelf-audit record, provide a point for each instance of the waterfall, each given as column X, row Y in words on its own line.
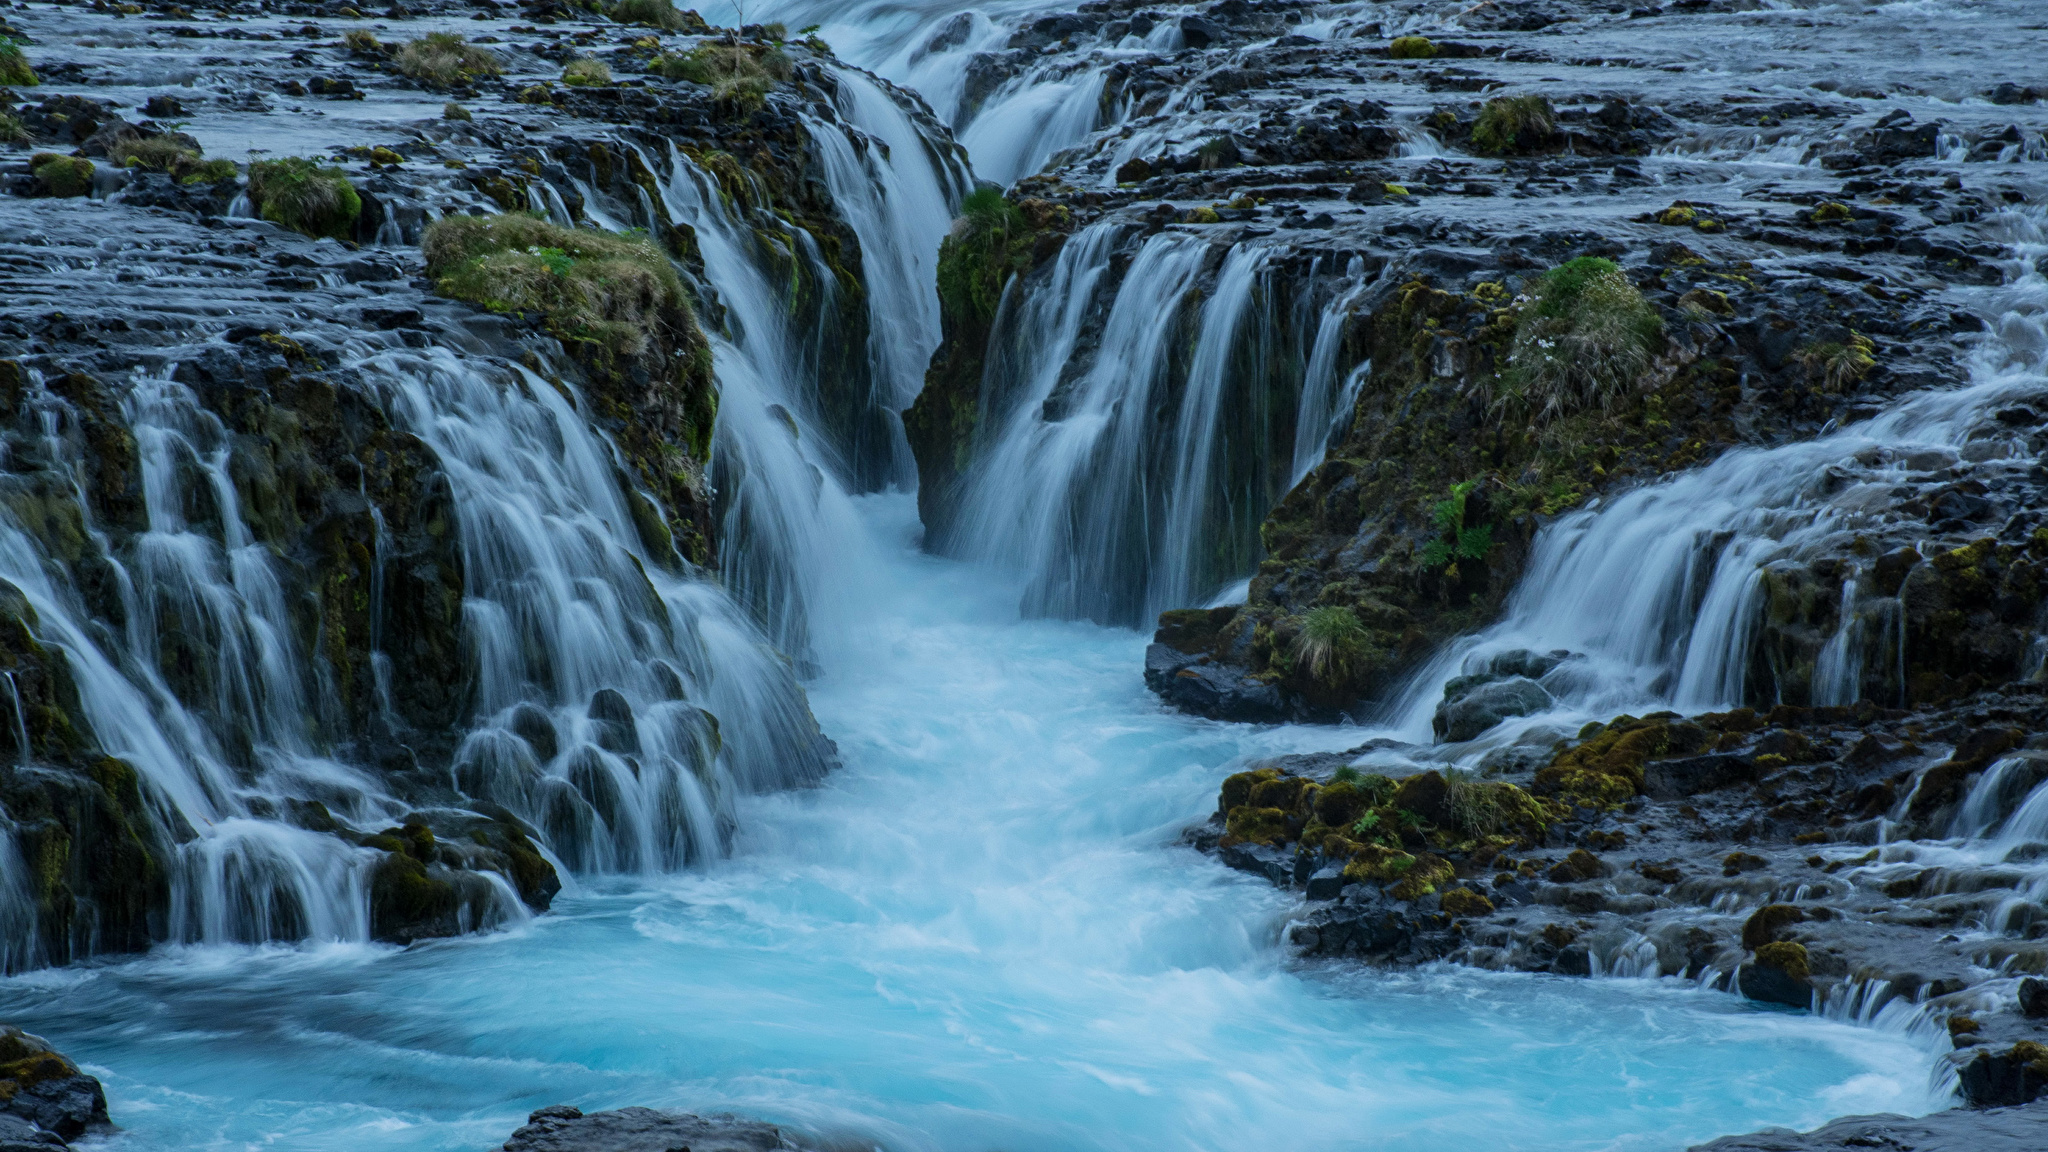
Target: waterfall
column 898, row 189
column 1661, row 586
column 617, row 709
column 1010, row 130
column 1128, row 468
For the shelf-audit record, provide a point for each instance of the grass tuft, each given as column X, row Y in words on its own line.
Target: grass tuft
column 739, row 75
column 1331, row 643
column 14, row 69
column 1585, row 338
column 445, row 59
column 586, row 73
column 304, row 197
column 1514, row 124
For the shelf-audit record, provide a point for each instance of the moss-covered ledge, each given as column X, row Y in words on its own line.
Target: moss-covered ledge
column 994, row 243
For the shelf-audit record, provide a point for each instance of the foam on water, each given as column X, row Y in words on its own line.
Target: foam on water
column 978, row 934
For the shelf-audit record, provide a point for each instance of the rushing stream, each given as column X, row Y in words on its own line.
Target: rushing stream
column 975, row 935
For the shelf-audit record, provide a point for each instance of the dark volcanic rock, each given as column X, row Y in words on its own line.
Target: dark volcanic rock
column 564, row 1129
column 1956, row 1130
column 44, row 1099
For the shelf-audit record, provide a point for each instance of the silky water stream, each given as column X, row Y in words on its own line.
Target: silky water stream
column 977, row 934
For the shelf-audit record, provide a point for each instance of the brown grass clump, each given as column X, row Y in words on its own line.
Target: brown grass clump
column 445, row 59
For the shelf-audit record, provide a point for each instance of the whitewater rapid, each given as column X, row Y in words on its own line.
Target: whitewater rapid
column 980, row 933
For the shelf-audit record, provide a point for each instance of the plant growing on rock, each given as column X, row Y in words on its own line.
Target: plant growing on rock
column 1411, row 48
column 61, row 175
column 303, row 196
column 586, row 73
column 170, row 155
column 12, row 130
column 1585, row 338
column 14, row 69
column 444, row 59
column 739, row 75
column 1836, row 364
column 1454, row 541
column 1330, row 643
column 657, row 14
column 592, row 287
column 1514, row 124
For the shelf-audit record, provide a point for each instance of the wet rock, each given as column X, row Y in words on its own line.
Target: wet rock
column 565, row 1129
column 1953, row 1130
column 1475, row 704
column 1779, row 975
column 1200, row 685
column 44, row 1099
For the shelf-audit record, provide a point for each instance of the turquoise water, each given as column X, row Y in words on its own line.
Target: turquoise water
column 978, row 935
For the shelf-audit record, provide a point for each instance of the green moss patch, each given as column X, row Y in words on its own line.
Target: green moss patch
column 171, row 155
column 740, row 75
column 304, row 196
column 1514, row 124
column 1411, row 48
column 14, row 67
column 658, row 14
column 593, row 287
column 61, row 175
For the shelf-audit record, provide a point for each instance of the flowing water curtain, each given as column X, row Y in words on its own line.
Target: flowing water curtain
column 1140, row 426
column 1664, row 587
column 898, row 186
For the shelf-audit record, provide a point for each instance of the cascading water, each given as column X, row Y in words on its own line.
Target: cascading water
column 1660, row 587
column 1128, row 468
column 897, row 187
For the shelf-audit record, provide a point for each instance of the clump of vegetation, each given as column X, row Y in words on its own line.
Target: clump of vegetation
column 1678, row 215
column 1330, row 643
column 169, row 154
column 14, row 69
column 592, row 287
column 1514, row 124
column 12, row 130
column 1481, row 808
column 657, row 14
column 445, row 59
column 739, row 75
column 61, row 175
column 1411, row 48
column 1454, row 541
column 1585, row 338
column 303, row 196
column 1838, row 364
column 980, row 253
column 586, row 73
column 1606, row 767
column 454, row 111
column 362, row 40
column 1832, row 212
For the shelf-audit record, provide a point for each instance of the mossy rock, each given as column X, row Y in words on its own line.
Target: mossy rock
column 1606, row 768
column 61, row 176
column 306, row 197
column 1464, row 903
column 1254, row 825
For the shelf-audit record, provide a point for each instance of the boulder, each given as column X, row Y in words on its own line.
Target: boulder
column 1474, row 704
column 564, row 1129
